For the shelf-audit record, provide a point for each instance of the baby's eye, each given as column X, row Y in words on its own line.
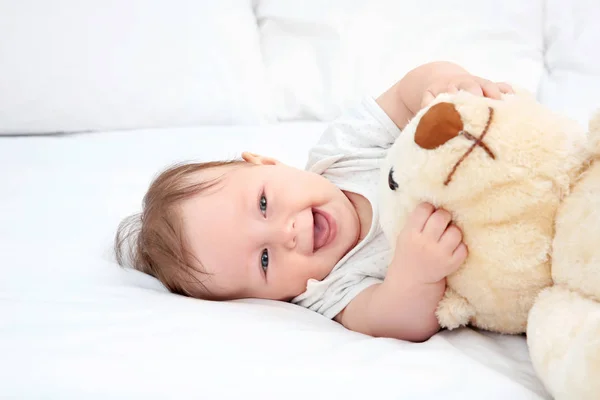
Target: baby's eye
column 263, row 204
column 264, row 260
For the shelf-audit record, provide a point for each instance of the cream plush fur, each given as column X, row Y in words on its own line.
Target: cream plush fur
column 522, row 184
column 563, row 332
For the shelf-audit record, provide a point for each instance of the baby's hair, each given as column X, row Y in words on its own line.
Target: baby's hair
column 153, row 242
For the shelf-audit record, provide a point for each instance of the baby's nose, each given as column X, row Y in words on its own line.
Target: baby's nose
column 438, row 125
column 287, row 234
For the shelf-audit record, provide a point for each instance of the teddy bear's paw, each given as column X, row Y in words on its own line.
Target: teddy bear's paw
column 454, row 310
column 581, row 375
column 563, row 336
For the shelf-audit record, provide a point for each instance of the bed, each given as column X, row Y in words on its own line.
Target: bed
column 75, row 161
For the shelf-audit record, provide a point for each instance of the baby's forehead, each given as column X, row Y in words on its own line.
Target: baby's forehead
column 212, row 180
column 205, row 216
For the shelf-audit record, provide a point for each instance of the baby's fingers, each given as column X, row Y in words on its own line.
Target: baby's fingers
column 505, row 88
column 460, row 254
column 491, row 90
column 451, row 238
column 419, row 217
column 433, row 91
column 471, row 86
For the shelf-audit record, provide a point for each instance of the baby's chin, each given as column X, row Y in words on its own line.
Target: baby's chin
column 352, row 237
column 328, row 260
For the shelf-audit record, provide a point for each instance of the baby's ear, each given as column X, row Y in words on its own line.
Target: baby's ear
column 438, row 125
column 257, row 159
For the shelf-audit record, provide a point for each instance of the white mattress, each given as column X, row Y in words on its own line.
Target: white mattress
column 74, row 325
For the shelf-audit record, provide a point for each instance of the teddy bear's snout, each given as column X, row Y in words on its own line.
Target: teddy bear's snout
column 439, row 124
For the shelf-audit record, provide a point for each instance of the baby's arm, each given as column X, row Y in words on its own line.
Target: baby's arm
column 422, row 84
column 429, row 248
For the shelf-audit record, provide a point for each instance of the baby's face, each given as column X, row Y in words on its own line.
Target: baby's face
column 266, row 228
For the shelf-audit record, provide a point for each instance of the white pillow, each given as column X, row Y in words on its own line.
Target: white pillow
column 80, row 65
column 322, row 55
column 571, row 82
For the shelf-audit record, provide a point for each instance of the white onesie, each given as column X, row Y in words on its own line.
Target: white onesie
column 348, row 154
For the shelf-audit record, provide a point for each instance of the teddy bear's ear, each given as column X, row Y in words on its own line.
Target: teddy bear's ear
column 438, row 125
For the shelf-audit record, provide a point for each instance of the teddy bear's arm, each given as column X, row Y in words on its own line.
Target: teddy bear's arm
column 454, row 310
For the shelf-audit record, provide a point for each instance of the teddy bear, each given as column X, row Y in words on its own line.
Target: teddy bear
column 516, row 178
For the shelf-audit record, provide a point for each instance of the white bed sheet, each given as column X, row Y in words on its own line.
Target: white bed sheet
column 74, row 325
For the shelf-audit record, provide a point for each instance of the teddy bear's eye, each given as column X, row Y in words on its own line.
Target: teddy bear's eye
column 391, row 182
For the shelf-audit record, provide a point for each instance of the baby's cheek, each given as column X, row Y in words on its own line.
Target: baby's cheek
column 299, row 272
column 318, row 269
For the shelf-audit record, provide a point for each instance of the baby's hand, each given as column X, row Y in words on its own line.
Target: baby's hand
column 429, row 248
column 473, row 84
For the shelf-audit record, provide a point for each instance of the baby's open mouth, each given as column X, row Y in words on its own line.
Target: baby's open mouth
column 323, row 229
column 477, row 141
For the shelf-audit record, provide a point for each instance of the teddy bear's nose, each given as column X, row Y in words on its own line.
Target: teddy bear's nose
column 439, row 124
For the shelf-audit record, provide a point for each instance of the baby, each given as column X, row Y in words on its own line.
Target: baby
column 257, row 228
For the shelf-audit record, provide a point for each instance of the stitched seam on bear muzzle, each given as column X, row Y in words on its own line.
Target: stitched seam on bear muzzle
column 477, row 142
